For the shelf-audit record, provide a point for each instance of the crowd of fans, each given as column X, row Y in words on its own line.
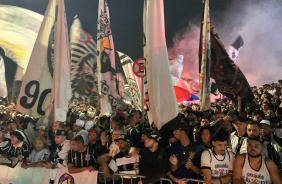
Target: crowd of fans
column 232, row 142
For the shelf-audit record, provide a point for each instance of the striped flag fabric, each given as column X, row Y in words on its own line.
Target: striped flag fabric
column 106, row 60
column 133, row 82
column 159, row 92
column 204, row 60
column 83, row 61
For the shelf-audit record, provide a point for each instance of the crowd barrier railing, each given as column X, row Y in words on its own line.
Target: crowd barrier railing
column 196, row 181
column 122, row 176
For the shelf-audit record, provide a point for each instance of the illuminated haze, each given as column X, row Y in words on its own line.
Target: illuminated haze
column 259, row 22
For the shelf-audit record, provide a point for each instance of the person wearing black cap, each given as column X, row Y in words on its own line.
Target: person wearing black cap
column 12, row 127
column 237, row 137
column 60, row 157
column 3, row 140
column 123, row 162
column 253, row 167
column 80, row 157
column 154, row 162
column 258, row 115
column 17, row 148
column 185, row 156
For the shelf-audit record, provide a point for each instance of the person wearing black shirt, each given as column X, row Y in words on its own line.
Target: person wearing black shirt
column 154, row 162
column 185, row 155
column 80, row 158
column 17, row 148
column 131, row 129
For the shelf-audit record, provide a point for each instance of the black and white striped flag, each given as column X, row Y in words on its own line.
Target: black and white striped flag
column 83, row 62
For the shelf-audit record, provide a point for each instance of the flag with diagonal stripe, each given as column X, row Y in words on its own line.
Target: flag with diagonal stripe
column 133, row 82
column 83, row 62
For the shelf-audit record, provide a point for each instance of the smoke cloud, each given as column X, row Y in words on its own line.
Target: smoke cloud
column 259, row 22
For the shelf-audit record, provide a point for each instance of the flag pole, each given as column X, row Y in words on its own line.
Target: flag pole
column 142, row 98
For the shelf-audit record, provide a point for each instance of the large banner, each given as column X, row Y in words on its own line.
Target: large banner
column 49, row 60
column 83, row 62
column 159, row 92
column 18, row 175
column 106, row 60
column 133, row 82
column 204, row 60
column 18, row 28
column 229, row 78
column 41, row 175
column 3, row 86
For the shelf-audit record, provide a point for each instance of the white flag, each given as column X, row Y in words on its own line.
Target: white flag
column 18, row 28
column 61, row 91
column 37, row 83
column 106, row 60
column 159, row 91
column 133, row 82
column 3, row 86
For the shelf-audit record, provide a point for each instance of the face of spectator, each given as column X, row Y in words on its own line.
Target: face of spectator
column 12, row 127
column 59, row 139
column 76, row 128
column 227, row 126
column 205, row 122
column 137, row 115
column 257, row 117
column 76, row 146
column 66, row 128
column 240, row 126
column 149, row 143
column 194, row 107
column 254, row 148
column 191, row 116
column 177, row 134
column 14, row 140
column 264, row 106
column 265, row 130
column 253, row 131
column 113, row 124
column 115, row 135
column 41, row 133
column 39, row 145
column 270, row 113
column 92, row 136
column 219, row 147
column 122, row 144
column 196, row 133
column 206, row 136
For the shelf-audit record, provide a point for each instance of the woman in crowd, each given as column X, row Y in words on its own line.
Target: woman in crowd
column 39, row 154
column 205, row 138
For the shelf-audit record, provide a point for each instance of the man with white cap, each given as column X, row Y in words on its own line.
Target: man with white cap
column 78, row 129
column 266, row 133
column 42, row 132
